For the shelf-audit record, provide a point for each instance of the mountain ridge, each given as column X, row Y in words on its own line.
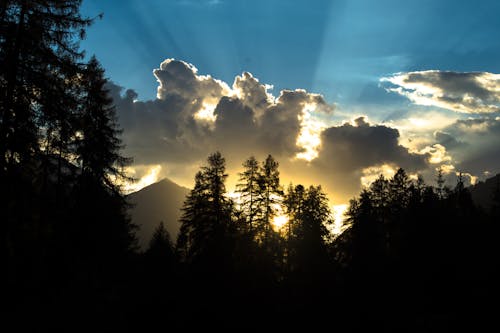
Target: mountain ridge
column 159, row 202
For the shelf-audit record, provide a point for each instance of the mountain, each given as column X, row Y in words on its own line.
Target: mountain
column 482, row 192
column 158, row 202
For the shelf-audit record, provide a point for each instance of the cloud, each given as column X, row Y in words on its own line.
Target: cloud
column 194, row 115
column 477, row 150
column 351, row 152
column 463, row 92
column 364, row 145
column 447, row 140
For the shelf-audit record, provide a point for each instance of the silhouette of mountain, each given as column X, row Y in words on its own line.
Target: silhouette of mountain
column 155, row 203
column 482, row 192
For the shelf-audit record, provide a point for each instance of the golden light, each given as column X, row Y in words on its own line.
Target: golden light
column 338, row 218
column 206, row 113
column 309, row 138
column 437, row 153
column 150, row 176
column 419, row 122
column 372, row 173
column 279, row 221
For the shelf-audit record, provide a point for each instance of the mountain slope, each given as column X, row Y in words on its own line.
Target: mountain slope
column 159, row 202
column 482, row 192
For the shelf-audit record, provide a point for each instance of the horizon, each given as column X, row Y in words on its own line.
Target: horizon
column 336, row 102
column 300, row 155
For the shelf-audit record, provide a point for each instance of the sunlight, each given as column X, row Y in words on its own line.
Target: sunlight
column 419, row 122
column 206, row 113
column 437, row 153
column 339, row 217
column 279, row 221
column 372, row 173
column 309, row 138
column 151, row 176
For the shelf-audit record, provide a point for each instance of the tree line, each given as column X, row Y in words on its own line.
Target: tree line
column 66, row 237
column 413, row 257
column 423, row 251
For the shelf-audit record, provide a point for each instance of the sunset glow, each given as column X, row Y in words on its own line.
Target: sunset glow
column 279, row 221
column 151, row 176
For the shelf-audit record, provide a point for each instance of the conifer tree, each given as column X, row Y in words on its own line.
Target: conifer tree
column 271, row 195
column 97, row 138
column 39, row 43
column 160, row 247
column 249, row 190
column 103, row 219
column 307, row 231
column 206, row 215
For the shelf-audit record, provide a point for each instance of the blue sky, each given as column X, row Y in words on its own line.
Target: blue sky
column 337, row 48
column 370, row 59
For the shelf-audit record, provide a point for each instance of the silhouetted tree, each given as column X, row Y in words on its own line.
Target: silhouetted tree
column 307, row 231
column 440, row 189
column 97, row 138
column 206, row 218
column 160, row 261
column 270, row 197
column 39, row 54
column 101, row 165
column 160, row 246
column 39, row 50
column 250, row 192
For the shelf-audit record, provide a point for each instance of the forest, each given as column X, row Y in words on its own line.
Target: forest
column 413, row 256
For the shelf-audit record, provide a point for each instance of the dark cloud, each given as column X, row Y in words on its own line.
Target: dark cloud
column 197, row 114
column 480, row 150
column 171, row 128
column 349, row 149
column 447, row 140
column 470, row 92
column 365, row 145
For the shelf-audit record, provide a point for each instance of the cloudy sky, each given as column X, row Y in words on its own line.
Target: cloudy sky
column 337, row 91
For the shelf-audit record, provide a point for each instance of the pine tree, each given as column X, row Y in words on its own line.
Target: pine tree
column 206, row 216
column 398, row 189
column 97, row 140
column 366, row 238
column 249, row 190
column 440, row 189
column 270, row 198
column 308, row 233
column 39, row 54
column 102, row 221
column 38, row 61
column 160, row 247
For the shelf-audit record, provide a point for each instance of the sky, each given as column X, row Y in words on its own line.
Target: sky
column 337, row 91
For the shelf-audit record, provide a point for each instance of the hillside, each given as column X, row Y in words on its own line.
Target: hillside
column 482, row 192
column 155, row 203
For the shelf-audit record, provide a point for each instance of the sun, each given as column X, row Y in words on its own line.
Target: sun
column 279, row 221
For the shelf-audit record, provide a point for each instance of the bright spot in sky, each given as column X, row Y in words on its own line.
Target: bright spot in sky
column 419, row 122
column 309, row 138
column 437, row 153
column 279, row 221
column 338, row 216
column 372, row 173
column 149, row 178
column 206, row 113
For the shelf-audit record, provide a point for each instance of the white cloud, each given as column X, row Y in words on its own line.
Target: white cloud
column 196, row 114
column 463, row 92
column 437, row 154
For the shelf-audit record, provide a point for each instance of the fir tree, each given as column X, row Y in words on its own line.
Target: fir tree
column 206, row 215
column 249, row 190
